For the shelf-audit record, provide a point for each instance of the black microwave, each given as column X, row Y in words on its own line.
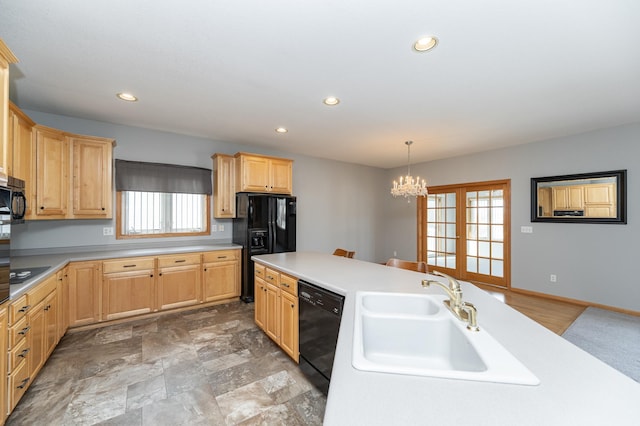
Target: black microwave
column 13, row 200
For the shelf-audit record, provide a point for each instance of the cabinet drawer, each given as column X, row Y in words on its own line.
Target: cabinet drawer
column 17, row 355
column 178, row 260
column 259, row 270
column 130, row 264
column 220, row 255
column 18, row 384
column 18, row 332
column 272, row 276
column 289, row 284
column 18, row 309
column 41, row 291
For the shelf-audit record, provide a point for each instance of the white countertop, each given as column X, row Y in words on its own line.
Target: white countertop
column 575, row 388
column 58, row 258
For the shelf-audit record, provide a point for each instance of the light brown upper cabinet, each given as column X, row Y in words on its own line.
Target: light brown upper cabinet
column 6, row 57
column 224, row 194
column 21, row 153
column 260, row 173
column 92, row 182
column 73, row 176
column 52, row 168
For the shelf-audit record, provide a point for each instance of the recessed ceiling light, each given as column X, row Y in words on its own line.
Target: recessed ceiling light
column 331, row 101
column 282, row 130
column 425, row 43
column 127, row 97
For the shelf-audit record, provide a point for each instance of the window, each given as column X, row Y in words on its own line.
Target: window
column 158, row 213
column 161, row 200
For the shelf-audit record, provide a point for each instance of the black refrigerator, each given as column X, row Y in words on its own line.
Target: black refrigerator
column 264, row 224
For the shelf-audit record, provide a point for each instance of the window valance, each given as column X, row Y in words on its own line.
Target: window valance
column 158, row 177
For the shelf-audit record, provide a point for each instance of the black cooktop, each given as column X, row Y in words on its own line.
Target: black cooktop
column 18, row 276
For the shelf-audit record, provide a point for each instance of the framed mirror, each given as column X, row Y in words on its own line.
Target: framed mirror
column 599, row 197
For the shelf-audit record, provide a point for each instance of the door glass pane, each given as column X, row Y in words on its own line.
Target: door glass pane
column 484, row 249
column 451, row 230
column 497, row 250
column 472, row 264
column 483, row 266
column 497, row 268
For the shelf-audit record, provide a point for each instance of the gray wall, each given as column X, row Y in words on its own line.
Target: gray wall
column 593, row 262
column 337, row 202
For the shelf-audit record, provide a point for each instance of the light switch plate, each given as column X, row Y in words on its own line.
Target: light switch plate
column 526, row 229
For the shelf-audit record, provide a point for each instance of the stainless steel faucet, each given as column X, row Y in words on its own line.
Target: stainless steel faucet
column 464, row 311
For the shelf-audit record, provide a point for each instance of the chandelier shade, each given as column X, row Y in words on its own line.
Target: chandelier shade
column 408, row 186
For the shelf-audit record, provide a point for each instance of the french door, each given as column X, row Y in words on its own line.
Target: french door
column 464, row 231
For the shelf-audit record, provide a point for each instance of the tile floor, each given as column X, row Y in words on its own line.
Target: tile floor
column 210, row 366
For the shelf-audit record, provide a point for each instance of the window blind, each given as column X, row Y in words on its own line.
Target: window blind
column 158, row 177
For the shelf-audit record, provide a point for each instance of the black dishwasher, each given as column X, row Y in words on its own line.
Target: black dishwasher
column 320, row 314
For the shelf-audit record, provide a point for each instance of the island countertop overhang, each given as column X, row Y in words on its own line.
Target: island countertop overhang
column 575, row 387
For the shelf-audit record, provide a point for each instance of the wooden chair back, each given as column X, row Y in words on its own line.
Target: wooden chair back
column 419, row 266
column 344, row 253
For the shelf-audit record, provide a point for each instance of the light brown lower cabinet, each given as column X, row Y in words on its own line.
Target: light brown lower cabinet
column 220, row 275
column 128, row 287
column 4, row 347
column 32, row 336
column 276, row 308
column 83, row 282
column 178, row 280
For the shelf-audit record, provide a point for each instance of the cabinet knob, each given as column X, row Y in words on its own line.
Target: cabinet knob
column 41, row 207
column 103, row 209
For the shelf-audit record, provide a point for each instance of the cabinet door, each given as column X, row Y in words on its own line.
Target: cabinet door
column 576, row 197
column 224, row 195
column 22, row 144
column 272, row 317
column 178, row 286
column 3, row 363
column 126, row 294
column 63, row 302
column 37, row 338
column 560, row 198
column 221, row 280
column 289, row 326
column 52, row 164
column 51, row 322
column 92, row 187
column 84, row 293
column 280, row 180
column 254, row 174
column 259, row 304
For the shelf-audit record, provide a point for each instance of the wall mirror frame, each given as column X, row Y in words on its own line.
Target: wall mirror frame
column 599, row 197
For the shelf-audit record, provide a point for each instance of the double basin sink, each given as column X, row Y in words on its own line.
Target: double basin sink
column 415, row 334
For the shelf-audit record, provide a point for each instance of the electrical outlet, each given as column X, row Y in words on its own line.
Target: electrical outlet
column 553, row 278
column 107, row 230
column 221, row 228
column 395, row 253
column 214, row 228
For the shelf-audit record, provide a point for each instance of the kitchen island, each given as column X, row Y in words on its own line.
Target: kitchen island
column 575, row 388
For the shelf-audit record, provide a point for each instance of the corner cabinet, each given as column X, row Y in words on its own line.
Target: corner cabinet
column 83, row 282
column 224, row 195
column 259, row 173
column 276, row 308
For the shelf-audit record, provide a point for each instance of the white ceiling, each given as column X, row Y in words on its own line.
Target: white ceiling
column 504, row 72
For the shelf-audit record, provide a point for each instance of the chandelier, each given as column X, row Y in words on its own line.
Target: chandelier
column 408, row 186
